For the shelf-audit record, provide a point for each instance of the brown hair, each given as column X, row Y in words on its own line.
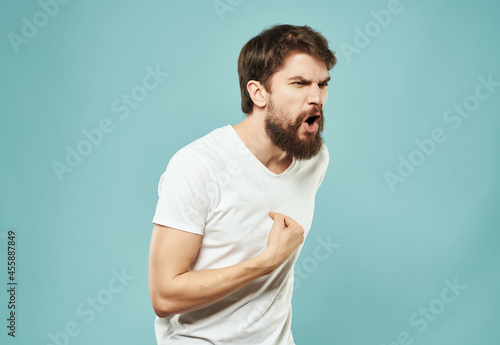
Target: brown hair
column 264, row 55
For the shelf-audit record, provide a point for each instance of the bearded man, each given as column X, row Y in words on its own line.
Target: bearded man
column 236, row 205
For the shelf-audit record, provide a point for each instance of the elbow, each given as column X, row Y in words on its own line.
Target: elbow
column 162, row 313
column 164, row 307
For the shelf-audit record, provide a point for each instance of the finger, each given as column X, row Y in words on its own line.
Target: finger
column 288, row 221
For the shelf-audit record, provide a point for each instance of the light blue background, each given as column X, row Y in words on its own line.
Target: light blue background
column 396, row 248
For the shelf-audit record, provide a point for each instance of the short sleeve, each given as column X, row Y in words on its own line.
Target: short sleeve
column 182, row 199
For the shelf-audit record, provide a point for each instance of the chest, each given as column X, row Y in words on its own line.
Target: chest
column 238, row 224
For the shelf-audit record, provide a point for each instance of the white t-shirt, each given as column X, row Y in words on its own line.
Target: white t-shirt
column 217, row 188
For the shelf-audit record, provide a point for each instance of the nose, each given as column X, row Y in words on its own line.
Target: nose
column 316, row 95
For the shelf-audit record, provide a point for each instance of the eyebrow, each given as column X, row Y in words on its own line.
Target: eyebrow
column 301, row 78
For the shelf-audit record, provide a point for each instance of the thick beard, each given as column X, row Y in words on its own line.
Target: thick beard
column 286, row 135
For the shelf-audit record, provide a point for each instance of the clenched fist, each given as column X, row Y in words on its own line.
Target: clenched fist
column 285, row 237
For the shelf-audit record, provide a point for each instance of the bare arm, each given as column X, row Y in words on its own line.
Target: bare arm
column 174, row 289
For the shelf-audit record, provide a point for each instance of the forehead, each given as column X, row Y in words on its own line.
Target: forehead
column 304, row 65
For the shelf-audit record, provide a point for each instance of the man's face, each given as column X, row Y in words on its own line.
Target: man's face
column 294, row 110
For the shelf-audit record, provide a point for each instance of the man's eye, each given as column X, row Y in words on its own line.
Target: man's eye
column 323, row 84
column 299, row 83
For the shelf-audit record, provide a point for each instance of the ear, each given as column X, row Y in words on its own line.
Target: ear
column 257, row 92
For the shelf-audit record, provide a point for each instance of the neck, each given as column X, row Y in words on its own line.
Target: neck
column 253, row 134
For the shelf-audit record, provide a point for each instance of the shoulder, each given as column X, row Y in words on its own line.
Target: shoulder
column 201, row 153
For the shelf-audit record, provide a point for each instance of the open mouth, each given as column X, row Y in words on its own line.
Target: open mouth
column 311, row 124
column 310, row 120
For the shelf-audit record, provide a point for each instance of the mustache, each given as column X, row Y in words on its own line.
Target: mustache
column 311, row 112
column 305, row 114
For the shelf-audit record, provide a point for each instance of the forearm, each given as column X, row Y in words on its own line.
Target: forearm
column 198, row 289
